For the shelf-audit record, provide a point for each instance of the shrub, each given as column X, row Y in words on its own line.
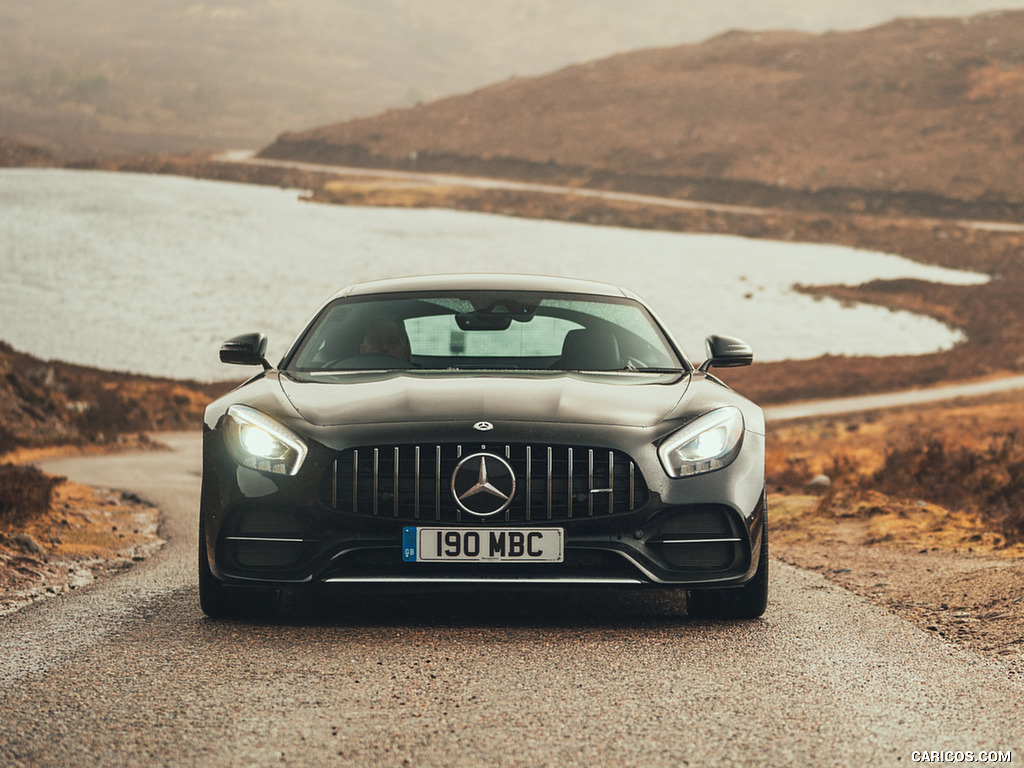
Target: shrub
column 25, row 492
column 988, row 479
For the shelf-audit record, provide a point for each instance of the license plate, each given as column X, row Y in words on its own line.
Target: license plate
column 482, row 545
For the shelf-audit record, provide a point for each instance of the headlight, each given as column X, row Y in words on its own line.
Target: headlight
column 704, row 445
column 259, row 442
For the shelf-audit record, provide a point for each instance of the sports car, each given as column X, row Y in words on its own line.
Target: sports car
column 475, row 431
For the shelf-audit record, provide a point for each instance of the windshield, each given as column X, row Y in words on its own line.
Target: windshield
column 485, row 330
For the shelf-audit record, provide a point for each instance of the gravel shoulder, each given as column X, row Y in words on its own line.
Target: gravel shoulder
column 939, row 570
column 86, row 535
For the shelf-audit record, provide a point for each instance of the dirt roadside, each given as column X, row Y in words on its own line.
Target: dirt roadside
column 86, row 534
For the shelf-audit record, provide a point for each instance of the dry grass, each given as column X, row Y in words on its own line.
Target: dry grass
column 950, row 476
column 25, row 493
column 396, row 194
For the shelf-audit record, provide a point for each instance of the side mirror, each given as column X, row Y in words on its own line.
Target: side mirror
column 247, row 349
column 726, row 352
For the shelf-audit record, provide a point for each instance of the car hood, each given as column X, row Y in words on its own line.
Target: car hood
column 619, row 399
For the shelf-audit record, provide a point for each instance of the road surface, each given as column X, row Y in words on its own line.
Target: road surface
column 910, row 397
column 130, row 673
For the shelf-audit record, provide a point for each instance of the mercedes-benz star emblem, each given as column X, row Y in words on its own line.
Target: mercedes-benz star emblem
column 483, row 484
column 483, row 426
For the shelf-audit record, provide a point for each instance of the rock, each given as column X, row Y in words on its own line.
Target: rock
column 44, row 376
column 28, row 543
column 819, row 484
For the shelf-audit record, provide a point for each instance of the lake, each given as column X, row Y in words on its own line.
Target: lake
column 151, row 273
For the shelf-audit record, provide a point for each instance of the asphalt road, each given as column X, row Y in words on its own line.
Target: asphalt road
column 910, row 397
column 130, row 673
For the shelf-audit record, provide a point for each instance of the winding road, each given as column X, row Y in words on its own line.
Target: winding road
column 130, row 673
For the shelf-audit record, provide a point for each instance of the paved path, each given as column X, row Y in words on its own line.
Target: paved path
column 884, row 400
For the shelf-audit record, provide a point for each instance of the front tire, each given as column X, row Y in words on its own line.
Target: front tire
column 747, row 602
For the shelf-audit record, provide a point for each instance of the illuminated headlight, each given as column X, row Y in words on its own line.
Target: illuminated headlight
column 704, row 445
column 259, row 442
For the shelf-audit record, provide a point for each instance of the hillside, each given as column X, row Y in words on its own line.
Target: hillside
column 50, row 403
column 917, row 116
column 98, row 78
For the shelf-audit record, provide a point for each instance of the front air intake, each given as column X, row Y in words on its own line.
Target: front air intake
column 699, row 539
column 266, row 537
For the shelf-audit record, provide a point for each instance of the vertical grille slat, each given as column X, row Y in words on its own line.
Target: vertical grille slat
column 552, row 482
column 632, row 487
column 529, row 481
column 355, row 481
column 376, row 477
column 416, row 483
column 394, row 485
column 437, row 483
column 611, row 482
column 568, row 475
column 334, row 485
column 590, row 483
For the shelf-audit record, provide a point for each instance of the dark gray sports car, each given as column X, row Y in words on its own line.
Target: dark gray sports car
column 484, row 430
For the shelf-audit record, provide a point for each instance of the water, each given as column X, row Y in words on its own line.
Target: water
column 151, row 273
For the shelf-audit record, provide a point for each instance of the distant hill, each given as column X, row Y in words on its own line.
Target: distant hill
column 919, row 108
column 90, row 78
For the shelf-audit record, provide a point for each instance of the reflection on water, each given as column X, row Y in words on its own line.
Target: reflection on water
column 152, row 273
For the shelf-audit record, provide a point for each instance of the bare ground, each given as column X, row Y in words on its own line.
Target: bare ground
column 90, row 533
column 957, row 585
column 87, row 534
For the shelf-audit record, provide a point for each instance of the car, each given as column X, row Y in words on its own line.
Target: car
column 484, row 431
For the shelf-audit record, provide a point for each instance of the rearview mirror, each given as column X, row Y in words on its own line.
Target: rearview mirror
column 481, row 321
column 726, row 352
column 247, row 349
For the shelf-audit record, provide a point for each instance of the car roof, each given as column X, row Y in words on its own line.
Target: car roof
column 485, row 282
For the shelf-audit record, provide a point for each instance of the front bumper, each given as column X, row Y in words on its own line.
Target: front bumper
column 264, row 529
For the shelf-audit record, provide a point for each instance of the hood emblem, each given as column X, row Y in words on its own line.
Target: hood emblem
column 483, row 426
column 483, row 484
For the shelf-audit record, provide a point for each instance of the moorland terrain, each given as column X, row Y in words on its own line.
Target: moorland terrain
column 913, row 136
column 93, row 78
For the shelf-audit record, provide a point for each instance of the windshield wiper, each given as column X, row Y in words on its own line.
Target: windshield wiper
column 630, row 369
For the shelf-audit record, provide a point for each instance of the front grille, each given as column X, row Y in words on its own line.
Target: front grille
column 413, row 482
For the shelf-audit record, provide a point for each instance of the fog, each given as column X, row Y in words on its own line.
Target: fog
column 101, row 77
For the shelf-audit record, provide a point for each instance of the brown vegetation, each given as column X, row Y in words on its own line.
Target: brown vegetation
column 13, row 153
column 922, row 514
column 25, row 493
column 964, row 458
column 915, row 117
column 55, row 403
column 83, row 534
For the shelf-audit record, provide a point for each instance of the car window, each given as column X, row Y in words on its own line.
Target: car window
column 441, row 335
column 483, row 330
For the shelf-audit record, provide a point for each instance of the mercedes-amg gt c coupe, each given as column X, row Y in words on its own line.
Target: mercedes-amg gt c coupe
column 474, row 431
